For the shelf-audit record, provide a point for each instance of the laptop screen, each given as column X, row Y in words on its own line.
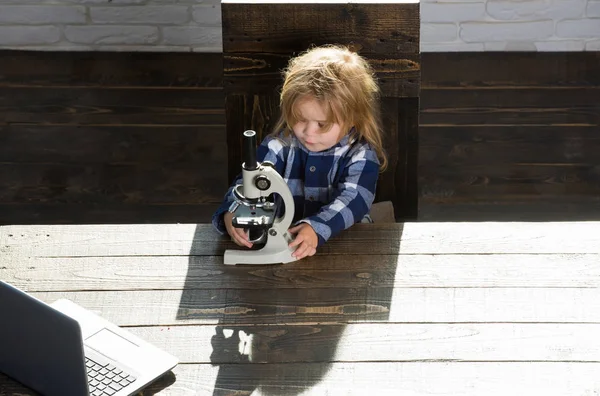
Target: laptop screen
column 39, row 346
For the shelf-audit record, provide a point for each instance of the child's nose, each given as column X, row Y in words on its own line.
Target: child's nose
column 311, row 129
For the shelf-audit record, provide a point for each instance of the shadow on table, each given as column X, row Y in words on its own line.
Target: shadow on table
column 279, row 326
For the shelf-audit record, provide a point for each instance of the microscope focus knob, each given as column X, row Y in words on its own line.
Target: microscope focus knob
column 262, row 182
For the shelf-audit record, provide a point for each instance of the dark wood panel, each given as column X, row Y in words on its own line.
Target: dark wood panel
column 284, row 28
column 511, row 106
column 398, row 183
column 101, row 69
column 563, row 208
column 527, row 99
column 509, row 136
column 505, row 182
column 543, row 89
column 142, row 183
column 587, row 114
column 199, row 147
column 500, row 145
column 69, row 152
column 256, row 112
column 392, row 182
column 409, row 122
column 261, row 72
column 118, row 106
column 514, row 69
column 110, row 165
column 104, row 213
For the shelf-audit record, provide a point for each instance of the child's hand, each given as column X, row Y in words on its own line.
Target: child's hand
column 306, row 239
column 238, row 235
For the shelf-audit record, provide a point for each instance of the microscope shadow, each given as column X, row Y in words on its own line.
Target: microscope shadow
column 279, row 326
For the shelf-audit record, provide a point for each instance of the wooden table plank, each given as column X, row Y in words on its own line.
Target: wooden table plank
column 438, row 308
column 451, row 379
column 408, row 238
column 411, row 305
column 387, row 378
column 208, row 272
column 378, row 342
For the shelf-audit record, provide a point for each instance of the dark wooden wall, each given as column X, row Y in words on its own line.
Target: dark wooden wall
column 117, row 137
column 110, row 137
column 510, row 136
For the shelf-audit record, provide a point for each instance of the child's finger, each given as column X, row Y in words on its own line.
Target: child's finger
column 242, row 237
column 295, row 229
column 240, row 232
column 235, row 238
column 297, row 241
column 300, row 252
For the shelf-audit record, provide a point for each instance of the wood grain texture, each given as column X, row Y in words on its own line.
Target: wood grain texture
column 244, row 112
column 503, row 144
column 440, row 378
column 92, row 137
column 543, row 106
column 110, row 69
column 566, row 297
column 378, row 342
column 427, row 238
column 194, row 146
column 104, row 213
column 118, row 106
column 509, row 137
column 284, row 28
column 560, row 209
column 510, row 69
column 111, row 165
column 108, row 184
column 513, row 181
column 381, row 342
column 368, row 272
column 458, row 308
column 570, row 107
column 261, row 73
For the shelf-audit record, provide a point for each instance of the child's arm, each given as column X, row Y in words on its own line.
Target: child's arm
column 270, row 150
column 353, row 197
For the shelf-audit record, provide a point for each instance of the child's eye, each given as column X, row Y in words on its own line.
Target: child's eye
column 321, row 125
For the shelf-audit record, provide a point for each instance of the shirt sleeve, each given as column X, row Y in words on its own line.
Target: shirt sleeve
column 270, row 150
column 352, row 199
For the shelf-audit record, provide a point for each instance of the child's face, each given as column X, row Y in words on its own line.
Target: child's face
column 311, row 128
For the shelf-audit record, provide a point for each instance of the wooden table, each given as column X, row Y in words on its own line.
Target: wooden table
column 389, row 309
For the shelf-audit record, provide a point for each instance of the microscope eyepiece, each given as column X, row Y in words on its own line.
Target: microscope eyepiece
column 249, row 150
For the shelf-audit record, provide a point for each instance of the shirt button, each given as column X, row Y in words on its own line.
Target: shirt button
column 312, row 169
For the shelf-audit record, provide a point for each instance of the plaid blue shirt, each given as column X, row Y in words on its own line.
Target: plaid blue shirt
column 332, row 189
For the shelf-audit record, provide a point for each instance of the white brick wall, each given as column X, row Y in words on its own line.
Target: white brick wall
column 510, row 25
column 195, row 25
column 111, row 25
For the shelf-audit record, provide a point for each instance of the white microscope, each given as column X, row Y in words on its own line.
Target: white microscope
column 254, row 212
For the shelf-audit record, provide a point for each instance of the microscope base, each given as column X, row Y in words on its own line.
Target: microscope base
column 276, row 251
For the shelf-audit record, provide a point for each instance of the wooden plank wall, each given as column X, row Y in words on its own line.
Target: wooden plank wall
column 121, row 137
column 510, row 136
column 110, row 137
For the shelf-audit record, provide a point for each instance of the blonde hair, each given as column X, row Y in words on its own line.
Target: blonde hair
column 344, row 83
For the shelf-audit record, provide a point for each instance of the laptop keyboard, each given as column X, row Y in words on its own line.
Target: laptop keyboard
column 106, row 379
